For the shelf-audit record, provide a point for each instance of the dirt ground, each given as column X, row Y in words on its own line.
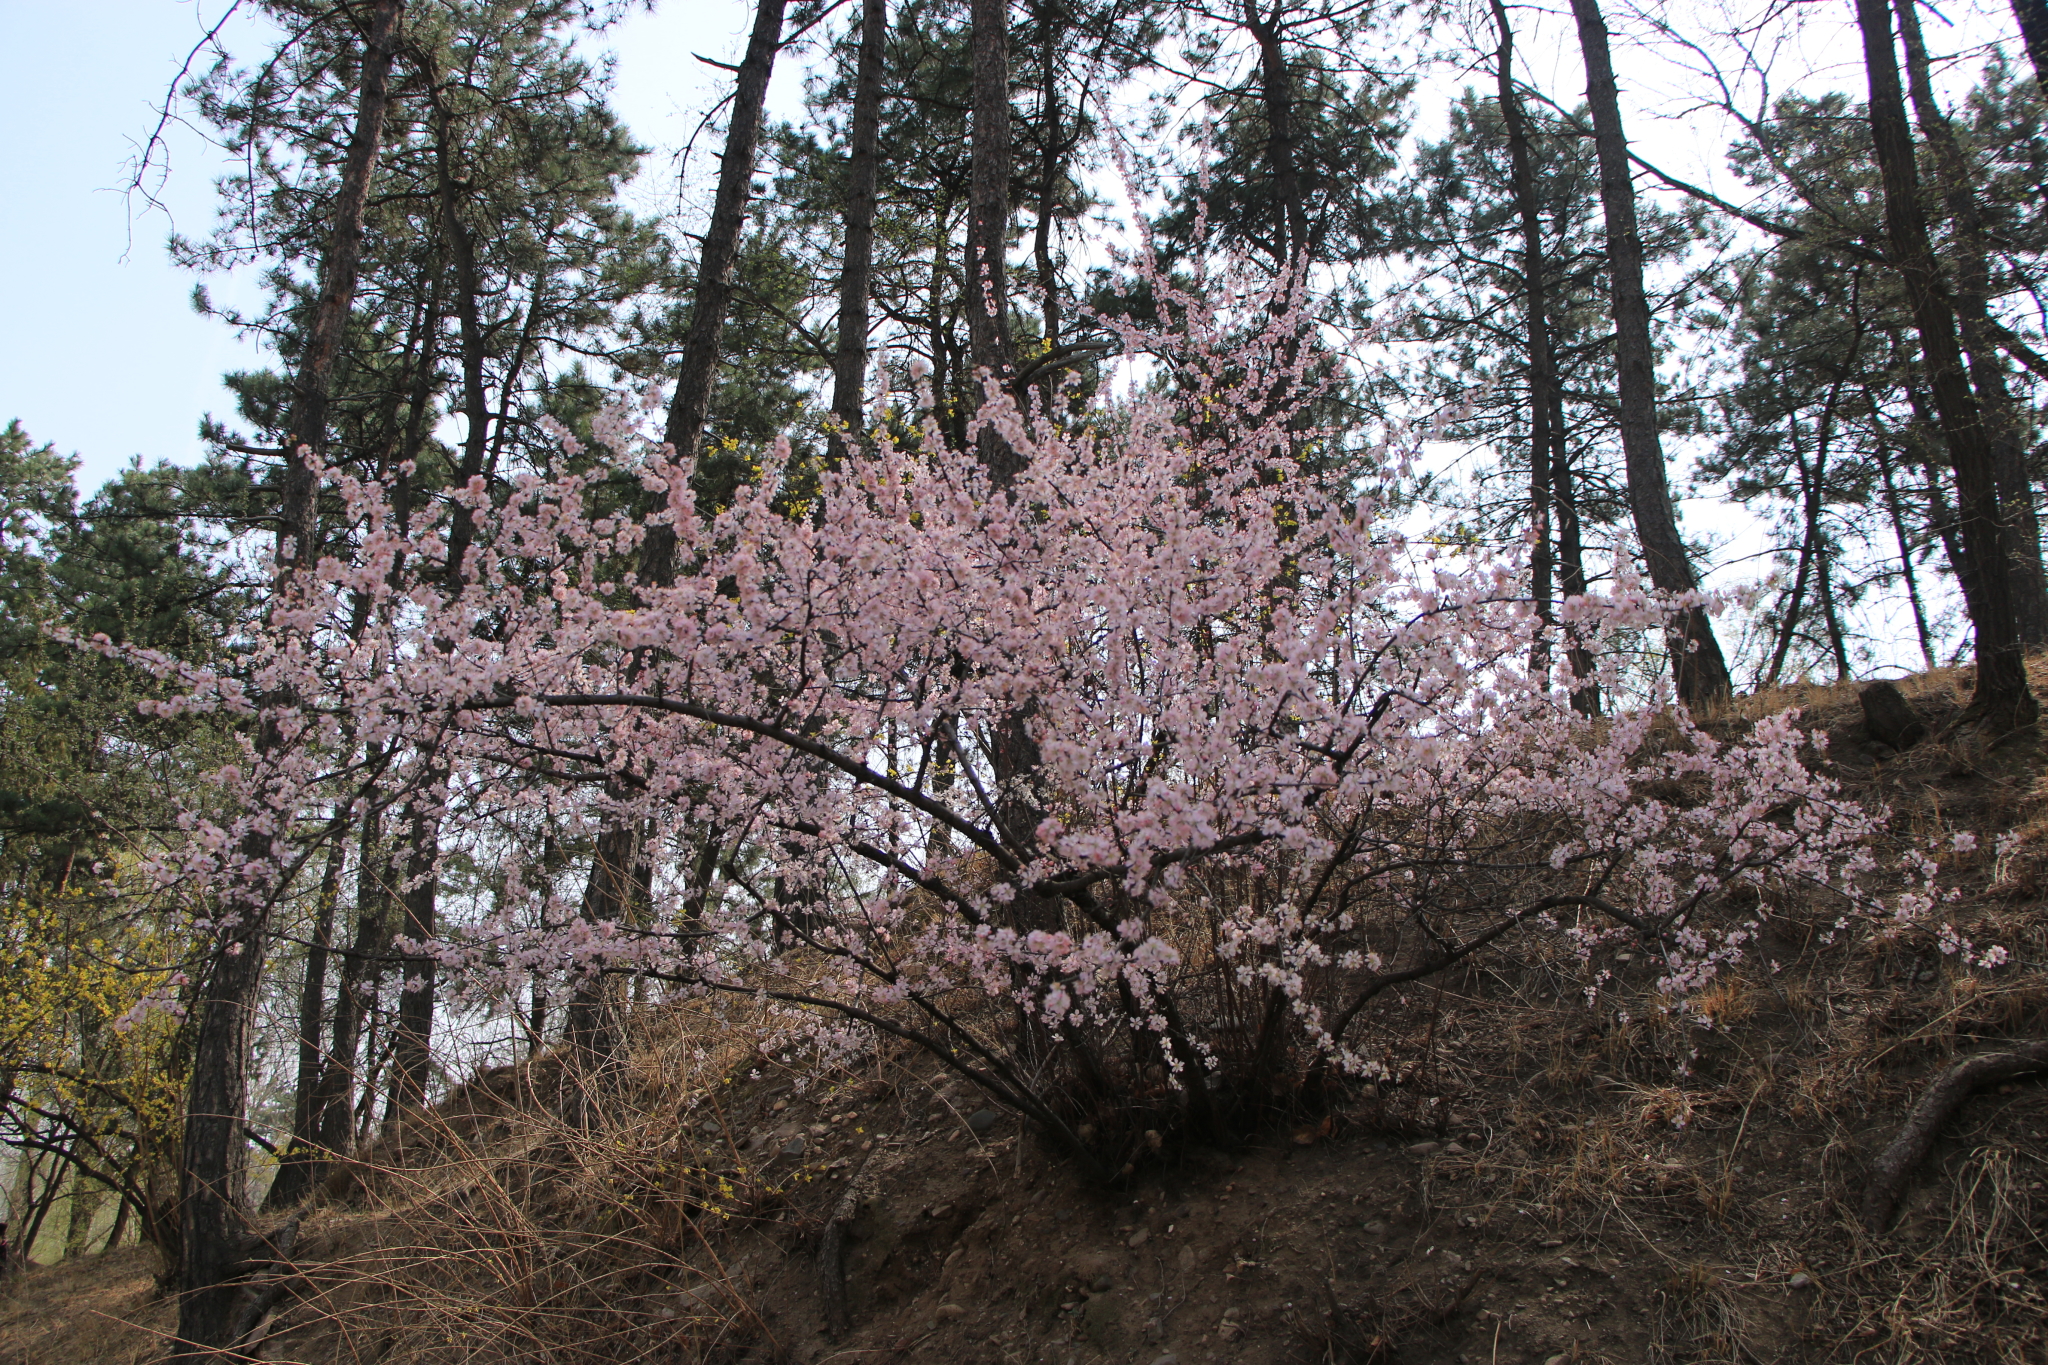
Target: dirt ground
column 1556, row 1184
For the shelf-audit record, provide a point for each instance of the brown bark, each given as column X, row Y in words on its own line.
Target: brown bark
column 717, row 264
column 412, row 1043
column 986, row 300
column 356, row 991
column 1542, row 364
column 1971, row 293
column 856, row 268
column 295, row 1170
column 1912, row 580
column 314, row 379
column 1931, row 1114
column 213, row 1174
column 2003, row 700
column 1276, row 94
column 587, row 1025
column 2033, row 20
column 1697, row 662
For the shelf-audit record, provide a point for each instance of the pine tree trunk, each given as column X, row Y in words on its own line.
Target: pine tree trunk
column 717, row 264
column 856, row 269
column 2033, row 21
column 986, row 300
column 213, row 1176
column 1542, row 364
column 1276, row 97
column 412, row 1044
column 302, row 1155
column 1971, row 293
column 1697, row 662
column 356, row 991
column 2003, row 700
column 313, row 381
column 1896, row 511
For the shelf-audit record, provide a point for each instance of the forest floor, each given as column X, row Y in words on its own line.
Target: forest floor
column 1555, row 1185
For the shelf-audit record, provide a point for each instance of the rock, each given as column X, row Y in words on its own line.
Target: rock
column 1889, row 717
column 794, row 1147
column 1168, row 1359
column 1454, row 1149
column 950, row 1312
column 1800, row 1281
column 1558, row 1360
column 1422, row 1148
column 981, row 1120
column 1101, row 1284
column 1139, row 1238
column 1376, row 1228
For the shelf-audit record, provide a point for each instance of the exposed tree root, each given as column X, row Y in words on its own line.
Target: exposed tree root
column 1931, row 1115
column 832, row 1251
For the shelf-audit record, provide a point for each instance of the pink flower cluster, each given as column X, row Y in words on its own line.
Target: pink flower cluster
column 1278, row 747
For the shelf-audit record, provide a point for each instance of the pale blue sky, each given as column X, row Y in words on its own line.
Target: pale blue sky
column 101, row 352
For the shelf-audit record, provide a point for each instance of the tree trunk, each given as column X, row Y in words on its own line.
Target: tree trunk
column 1542, row 365
column 1795, row 599
column 1912, row 580
column 213, row 1176
column 2003, row 700
column 1276, row 95
column 1054, row 147
column 1972, row 274
column 412, row 1043
column 988, row 227
column 2033, row 20
column 1697, row 662
column 313, row 382
column 697, row 371
column 850, row 361
column 356, row 991
column 585, row 1017
column 301, row 1157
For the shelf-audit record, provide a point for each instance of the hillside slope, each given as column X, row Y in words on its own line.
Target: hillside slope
column 1548, row 1183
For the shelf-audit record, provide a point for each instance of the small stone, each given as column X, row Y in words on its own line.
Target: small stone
column 794, row 1147
column 1376, row 1228
column 982, row 1120
column 1422, row 1148
column 1454, row 1149
column 1559, row 1359
column 1139, row 1238
column 950, row 1312
column 1101, row 1284
column 1801, row 1281
column 1168, row 1359
column 778, row 1106
column 1229, row 1331
column 1086, row 1132
column 1624, row 957
column 938, row 1211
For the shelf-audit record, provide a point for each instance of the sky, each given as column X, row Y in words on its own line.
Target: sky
column 102, row 353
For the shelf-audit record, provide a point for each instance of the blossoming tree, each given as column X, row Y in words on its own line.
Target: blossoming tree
column 1282, row 758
